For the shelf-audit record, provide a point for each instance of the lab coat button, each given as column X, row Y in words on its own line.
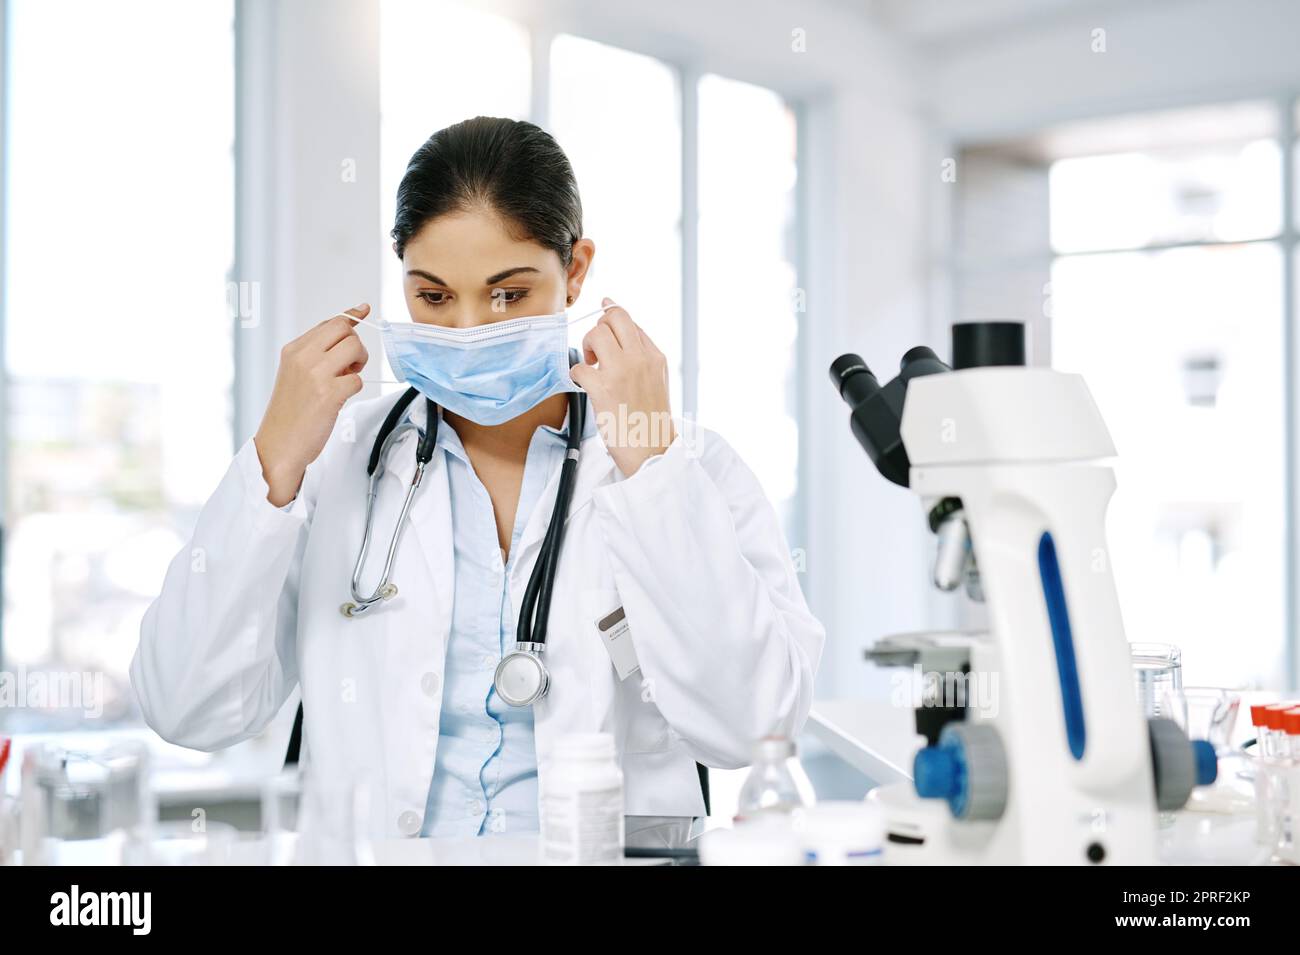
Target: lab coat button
column 429, row 684
column 489, row 660
column 408, row 823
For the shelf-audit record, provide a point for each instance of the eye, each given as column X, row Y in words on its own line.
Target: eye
column 432, row 298
column 510, row 296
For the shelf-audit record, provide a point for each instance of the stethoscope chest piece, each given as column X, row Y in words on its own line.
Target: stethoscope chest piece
column 521, row 678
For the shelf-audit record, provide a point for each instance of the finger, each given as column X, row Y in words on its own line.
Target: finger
column 333, row 330
column 348, row 356
column 648, row 344
column 600, row 346
column 584, row 376
column 347, row 386
column 625, row 330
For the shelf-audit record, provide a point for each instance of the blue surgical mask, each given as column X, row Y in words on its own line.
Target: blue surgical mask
column 489, row 373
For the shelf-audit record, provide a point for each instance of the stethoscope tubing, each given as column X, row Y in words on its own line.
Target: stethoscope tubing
column 536, row 606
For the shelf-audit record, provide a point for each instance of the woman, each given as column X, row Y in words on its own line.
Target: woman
column 669, row 527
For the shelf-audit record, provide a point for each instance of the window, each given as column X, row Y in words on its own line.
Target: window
column 1160, row 267
column 1182, row 350
column 628, row 165
column 118, row 348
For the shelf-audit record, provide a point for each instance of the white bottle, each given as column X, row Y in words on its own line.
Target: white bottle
column 842, row 832
column 582, row 802
column 766, row 840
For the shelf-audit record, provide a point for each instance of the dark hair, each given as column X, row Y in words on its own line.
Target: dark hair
column 512, row 167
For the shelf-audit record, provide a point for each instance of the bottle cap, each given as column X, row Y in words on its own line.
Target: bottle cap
column 1290, row 720
column 1273, row 713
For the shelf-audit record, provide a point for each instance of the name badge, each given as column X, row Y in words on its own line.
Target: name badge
column 617, row 638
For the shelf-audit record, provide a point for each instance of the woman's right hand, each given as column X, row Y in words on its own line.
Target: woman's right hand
column 319, row 371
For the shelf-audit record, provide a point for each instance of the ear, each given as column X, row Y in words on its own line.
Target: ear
column 584, row 250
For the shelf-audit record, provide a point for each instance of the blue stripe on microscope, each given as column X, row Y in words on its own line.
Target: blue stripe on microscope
column 1062, row 638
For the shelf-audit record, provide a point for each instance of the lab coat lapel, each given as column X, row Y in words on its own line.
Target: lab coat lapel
column 430, row 517
column 417, row 623
column 594, row 467
column 581, row 697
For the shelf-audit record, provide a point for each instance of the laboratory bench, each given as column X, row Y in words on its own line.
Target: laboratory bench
column 875, row 738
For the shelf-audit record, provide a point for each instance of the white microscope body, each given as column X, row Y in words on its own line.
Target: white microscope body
column 1060, row 766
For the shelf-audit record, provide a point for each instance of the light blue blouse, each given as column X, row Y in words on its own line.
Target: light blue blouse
column 485, row 774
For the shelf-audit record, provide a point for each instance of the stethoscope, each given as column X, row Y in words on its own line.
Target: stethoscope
column 521, row 678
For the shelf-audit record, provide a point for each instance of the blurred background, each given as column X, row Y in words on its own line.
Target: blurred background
column 186, row 186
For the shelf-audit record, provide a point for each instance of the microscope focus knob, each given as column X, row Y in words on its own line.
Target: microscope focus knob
column 935, row 772
column 1207, row 762
column 968, row 769
column 1178, row 764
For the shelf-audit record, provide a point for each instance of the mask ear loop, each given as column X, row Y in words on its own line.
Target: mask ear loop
column 599, row 311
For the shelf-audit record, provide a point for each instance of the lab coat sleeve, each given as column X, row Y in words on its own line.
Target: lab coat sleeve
column 217, row 654
column 727, row 645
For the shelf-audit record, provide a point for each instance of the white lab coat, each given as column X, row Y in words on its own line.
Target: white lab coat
column 688, row 546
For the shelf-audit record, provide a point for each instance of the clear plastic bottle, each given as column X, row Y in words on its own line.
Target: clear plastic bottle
column 777, row 784
column 1262, row 717
column 1271, row 740
column 1286, row 785
column 582, row 802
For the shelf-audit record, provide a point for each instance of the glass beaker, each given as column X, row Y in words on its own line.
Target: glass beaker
column 1204, row 712
column 1157, row 671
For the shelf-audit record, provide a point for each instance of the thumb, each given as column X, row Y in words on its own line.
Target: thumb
column 583, row 375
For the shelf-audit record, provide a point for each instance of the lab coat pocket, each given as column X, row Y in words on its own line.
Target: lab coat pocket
column 641, row 727
column 646, row 731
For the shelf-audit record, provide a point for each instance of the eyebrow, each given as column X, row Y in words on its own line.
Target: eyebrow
column 490, row 280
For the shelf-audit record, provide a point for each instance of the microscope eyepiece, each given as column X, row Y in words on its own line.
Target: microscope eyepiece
column 917, row 353
column 845, row 367
column 878, row 411
column 853, row 379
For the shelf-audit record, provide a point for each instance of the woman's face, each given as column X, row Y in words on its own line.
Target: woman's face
column 465, row 269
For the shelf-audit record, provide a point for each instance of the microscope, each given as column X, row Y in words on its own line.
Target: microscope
column 1046, row 758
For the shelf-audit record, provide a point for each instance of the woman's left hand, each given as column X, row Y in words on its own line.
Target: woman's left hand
column 626, row 377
